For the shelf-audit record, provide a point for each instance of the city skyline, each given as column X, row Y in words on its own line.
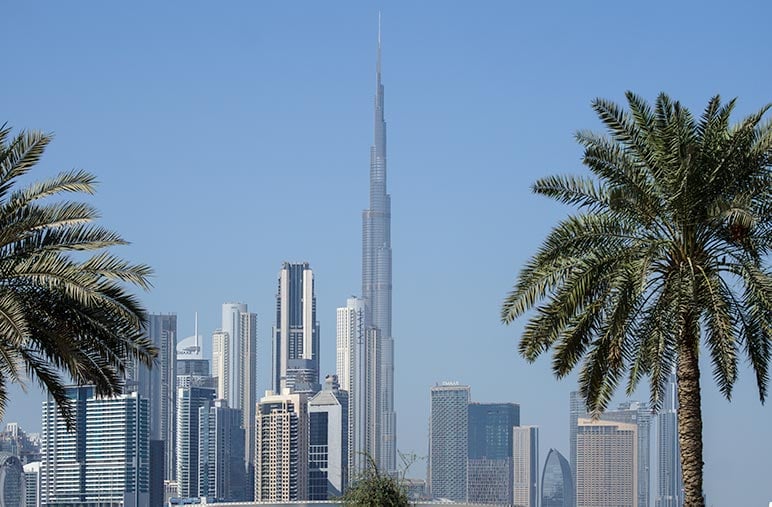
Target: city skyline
column 475, row 119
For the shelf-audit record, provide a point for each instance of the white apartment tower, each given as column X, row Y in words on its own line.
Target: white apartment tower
column 352, row 365
column 525, row 465
column 281, row 456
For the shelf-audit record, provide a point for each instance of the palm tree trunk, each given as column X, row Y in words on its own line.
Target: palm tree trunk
column 690, row 421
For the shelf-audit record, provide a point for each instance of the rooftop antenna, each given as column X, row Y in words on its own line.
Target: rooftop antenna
column 195, row 333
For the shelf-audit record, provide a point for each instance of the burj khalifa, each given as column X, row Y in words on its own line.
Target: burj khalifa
column 376, row 290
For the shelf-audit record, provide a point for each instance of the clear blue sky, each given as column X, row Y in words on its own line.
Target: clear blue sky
column 231, row 136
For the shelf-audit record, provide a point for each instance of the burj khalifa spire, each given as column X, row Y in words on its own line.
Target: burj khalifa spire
column 376, row 291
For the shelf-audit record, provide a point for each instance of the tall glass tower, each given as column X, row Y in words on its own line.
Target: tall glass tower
column 669, row 480
column 376, row 283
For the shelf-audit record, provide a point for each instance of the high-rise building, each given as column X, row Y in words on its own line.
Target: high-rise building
column 577, row 409
column 32, row 484
column 281, row 458
column 105, row 459
column 490, row 449
column 296, row 334
column 606, row 463
column 351, row 363
column 189, row 403
column 557, row 482
column 448, row 442
column 377, row 281
column 234, row 362
column 632, row 412
column 11, row 480
column 669, row 481
column 222, row 474
column 637, row 413
column 525, row 466
column 157, row 384
column 328, row 441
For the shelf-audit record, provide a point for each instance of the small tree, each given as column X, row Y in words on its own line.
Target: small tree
column 376, row 489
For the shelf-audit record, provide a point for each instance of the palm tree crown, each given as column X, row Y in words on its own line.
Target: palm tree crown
column 667, row 253
column 63, row 318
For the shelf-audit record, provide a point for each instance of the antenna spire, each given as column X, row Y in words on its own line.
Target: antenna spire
column 195, row 333
column 378, row 62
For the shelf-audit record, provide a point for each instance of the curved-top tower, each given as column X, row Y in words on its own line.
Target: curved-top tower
column 557, row 482
column 376, row 291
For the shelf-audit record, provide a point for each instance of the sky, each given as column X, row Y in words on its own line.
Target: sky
column 228, row 137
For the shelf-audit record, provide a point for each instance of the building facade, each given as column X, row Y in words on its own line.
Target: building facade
column 490, row 452
column 449, row 442
column 557, row 482
column 222, row 471
column 32, row 484
column 189, row 403
column 606, row 463
column 281, row 458
column 377, row 282
column 296, row 333
column 640, row 415
column 234, row 364
column 328, row 441
column 157, row 385
column 105, row 460
column 632, row 412
column 352, row 366
column 525, row 466
column 669, row 480
column 12, row 491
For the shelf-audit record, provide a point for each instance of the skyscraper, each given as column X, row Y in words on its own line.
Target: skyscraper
column 376, row 281
column 632, row 412
column 296, row 334
column 222, row 474
column 576, row 409
column 557, row 482
column 606, row 463
column 328, row 444
column 669, row 480
column 157, row 384
column 352, row 367
column 12, row 490
column 189, row 402
column 234, row 361
column 448, row 442
column 490, row 449
column 281, row 457
column 637, row 413
column 525, row 466
column 105, row 460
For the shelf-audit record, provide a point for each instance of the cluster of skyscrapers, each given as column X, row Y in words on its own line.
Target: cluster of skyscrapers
column 183, row 429
column 479, row 453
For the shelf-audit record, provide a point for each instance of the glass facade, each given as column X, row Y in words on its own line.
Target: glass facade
column 557, row 483
column 448, row 442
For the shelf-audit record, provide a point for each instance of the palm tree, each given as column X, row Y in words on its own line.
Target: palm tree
column 667, row 253
column 65, row 317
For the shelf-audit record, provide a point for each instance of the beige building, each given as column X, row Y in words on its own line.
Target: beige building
column 606, row 464
column 281, row 442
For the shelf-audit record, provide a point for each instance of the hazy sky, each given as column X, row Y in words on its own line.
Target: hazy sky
column 231, row 136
